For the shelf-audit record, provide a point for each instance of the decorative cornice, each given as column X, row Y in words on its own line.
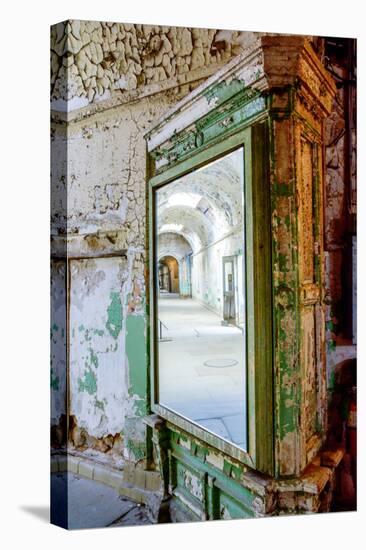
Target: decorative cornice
column 230, row 116
column 272, row 62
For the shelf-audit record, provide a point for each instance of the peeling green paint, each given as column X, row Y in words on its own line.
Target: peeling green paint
column 140, row 407
column 114, row 311
column 225, row 486
column 238, row 105
column 55, row 381
column 231, row 470
column 179, row 437
column 286, row 305
column 282, row 189
column 198, row 450
column 99, row 404
column 89, row 384
column 331, row 345
column 282, row 261
column 54, row 328
column 136, row 354
column 224, row 90
column 93, row 358
column 136, row 449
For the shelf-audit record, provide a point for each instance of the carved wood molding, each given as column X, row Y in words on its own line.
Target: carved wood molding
column 271, row 63
column 231, row 116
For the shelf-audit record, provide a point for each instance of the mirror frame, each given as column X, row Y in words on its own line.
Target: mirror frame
column 258, row 267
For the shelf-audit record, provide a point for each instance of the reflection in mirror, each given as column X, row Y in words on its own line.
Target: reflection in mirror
column 200, row 278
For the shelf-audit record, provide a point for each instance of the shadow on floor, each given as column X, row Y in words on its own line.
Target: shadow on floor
column 40, row 512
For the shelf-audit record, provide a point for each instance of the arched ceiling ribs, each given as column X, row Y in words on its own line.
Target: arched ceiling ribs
column 205, row 204
column 189, row 222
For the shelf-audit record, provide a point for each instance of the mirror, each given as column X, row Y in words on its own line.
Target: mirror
column 200, row 297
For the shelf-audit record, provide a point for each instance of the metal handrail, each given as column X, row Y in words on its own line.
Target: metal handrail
column 161, row 330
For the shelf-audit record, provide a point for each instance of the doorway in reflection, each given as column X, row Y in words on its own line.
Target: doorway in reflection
column 168, row 275
column 200, row 297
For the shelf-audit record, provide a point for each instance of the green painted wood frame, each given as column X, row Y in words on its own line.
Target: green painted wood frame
column 259, row 394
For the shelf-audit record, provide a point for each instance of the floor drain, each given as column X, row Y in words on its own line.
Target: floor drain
column 220, row 363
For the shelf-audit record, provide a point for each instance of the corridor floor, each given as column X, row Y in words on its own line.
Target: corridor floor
column 91, row 504
column 201, row 368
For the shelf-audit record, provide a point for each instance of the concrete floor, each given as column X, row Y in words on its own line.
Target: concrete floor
column 91, row 504
column 212, row 396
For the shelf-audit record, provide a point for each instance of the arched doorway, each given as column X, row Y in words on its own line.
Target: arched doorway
column 168, row 275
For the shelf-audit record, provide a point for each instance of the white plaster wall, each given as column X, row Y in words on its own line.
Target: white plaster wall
column 103, row 190
column 98, row 381
column 207, row 271
column 58, row 340
column 107, row 170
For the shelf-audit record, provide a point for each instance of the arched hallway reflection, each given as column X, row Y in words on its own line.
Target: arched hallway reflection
column 201, row 297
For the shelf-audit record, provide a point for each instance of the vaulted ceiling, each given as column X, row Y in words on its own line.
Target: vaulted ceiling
column 205, row 204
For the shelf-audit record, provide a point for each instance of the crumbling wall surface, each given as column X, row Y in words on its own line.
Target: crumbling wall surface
column 93, row 61
column 98, row 386
column 58, row 351
column 103, row 229
column 106, row 180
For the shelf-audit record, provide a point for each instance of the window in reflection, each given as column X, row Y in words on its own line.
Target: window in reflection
column 201, row 297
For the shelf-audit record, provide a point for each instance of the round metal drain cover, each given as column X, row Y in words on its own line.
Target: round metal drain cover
column 221, row 363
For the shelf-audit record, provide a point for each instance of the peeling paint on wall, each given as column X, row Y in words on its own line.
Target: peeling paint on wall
column 114, row 322
column 58, row 341
column 98, row 381
column 92, row 61
column 137, row 360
